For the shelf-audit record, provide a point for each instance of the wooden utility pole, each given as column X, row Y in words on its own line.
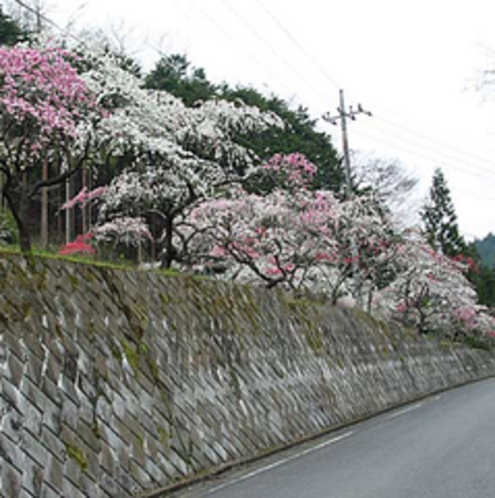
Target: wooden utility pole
column 342, row 117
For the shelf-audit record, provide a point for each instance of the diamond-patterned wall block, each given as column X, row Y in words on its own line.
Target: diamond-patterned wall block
column 116, row 382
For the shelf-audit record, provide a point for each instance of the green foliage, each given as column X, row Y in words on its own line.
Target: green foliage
column 481, row 275
column 8, row 227
column 10, row 32
column 486, row 250
column 440, row 220
column 485, row 286
column 174, row 74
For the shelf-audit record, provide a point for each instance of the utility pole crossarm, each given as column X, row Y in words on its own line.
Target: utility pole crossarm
column 342, row 116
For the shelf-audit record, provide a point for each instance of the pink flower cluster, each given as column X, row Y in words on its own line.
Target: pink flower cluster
column 297, row 168
column 84, row 197
column 41, row 92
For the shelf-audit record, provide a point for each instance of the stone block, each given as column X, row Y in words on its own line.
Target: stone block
column 11, row 481
column 32, row 447
column 108, row 459
column 68, row 387
column 34, row 367
column 52, row 391
column 139, row 475
column 31, row 340
column 10, row 452
column 72, row 490
column 54, row 472
column 13, row 345
column 48, row 492
column 109, row 485
column 90, row 436
column 33, row 417
column 53, row 443
column 14, row 370
column 74, row 467
column 11, row 423
column 35, row 396
column 32, row 476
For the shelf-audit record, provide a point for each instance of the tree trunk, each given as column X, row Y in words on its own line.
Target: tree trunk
column 24, row 235
column 24, row 239
column 19, row 212
column 168, row 247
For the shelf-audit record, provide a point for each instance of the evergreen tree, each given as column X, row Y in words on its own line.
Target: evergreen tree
column 440, row 220
column 486, row 250
column 10, row 32
column 174, row 74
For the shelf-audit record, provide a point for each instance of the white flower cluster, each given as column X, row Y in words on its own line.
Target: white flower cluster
column 177, row 153
column 125, row 231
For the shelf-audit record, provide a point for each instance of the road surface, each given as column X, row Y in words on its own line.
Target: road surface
column 443, row 446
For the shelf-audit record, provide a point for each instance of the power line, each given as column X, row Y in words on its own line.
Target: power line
column 423, row 156
column 441, row 154
column 297, row 44
column 425, row 124
column 274, row 52
column 441, row 144
column 39, row 15
column 234, row 40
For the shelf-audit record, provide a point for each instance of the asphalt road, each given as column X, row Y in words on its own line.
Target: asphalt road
column 443, row 446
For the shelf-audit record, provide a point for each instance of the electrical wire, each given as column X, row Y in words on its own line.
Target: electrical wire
column 297, row 44
column 220, row 28
column 424, row 124
column 470, row 155
column 485, row 173
column 274, row 19
column 275, row 52
column 424, row 156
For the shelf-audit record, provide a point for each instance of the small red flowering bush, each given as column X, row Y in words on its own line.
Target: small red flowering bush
column 77, row 247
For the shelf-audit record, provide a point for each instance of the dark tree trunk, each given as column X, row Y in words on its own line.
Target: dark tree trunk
column 19, row 212
column 168, row 254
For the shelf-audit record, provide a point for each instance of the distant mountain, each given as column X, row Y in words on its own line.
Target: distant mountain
column 486, row 250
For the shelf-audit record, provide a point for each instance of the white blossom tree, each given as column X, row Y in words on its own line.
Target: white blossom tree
column 175, row 155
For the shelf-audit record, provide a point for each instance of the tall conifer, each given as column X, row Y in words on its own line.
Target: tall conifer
column 440, row 220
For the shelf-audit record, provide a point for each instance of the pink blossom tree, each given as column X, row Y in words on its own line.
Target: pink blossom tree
column 431, row 293
column 46, row 117
column 291, row 236
column 275, row 238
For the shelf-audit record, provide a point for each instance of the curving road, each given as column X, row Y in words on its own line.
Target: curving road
column 443, row 446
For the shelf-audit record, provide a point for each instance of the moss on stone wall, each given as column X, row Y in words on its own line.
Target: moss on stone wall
column 143, row 379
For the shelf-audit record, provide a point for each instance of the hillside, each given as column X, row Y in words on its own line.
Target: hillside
column 486, row 250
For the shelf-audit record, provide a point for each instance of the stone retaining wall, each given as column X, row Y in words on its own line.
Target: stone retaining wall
column 116, row 382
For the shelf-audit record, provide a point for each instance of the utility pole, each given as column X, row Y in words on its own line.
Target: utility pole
column 342, row 117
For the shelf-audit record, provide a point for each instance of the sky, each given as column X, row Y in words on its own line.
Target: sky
column 415, row 65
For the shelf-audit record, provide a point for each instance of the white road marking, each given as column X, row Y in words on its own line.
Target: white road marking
column 404, row 411
column 280, row 462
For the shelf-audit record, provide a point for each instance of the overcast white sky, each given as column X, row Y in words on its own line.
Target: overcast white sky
column 413, row 64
